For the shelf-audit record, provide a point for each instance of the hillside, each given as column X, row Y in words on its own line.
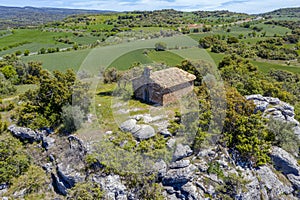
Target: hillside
column 31, row 16
column 149, row 105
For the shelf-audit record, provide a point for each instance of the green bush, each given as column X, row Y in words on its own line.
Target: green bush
column 13, row 160
column 72, row 118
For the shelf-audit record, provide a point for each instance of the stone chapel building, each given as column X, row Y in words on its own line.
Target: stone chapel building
column 164, row 86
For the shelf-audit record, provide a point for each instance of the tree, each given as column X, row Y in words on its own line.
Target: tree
column 111, row 75
column 9, row 72
column 6, row 87
column 26, row 52
column 72, row 118
column 33, row 183
column 43, row 106
column 160, row 46
column 244, row 131
column 86, row 191
column 282, row 135
column 13, row 160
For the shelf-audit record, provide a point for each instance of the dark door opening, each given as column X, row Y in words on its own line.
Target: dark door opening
column 146, row 95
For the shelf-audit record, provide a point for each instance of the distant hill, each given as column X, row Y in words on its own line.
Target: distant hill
column 289, row 12
column 26, row 16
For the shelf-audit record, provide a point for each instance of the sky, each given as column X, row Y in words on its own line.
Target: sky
column 246, row 6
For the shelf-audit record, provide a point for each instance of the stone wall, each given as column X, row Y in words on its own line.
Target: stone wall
column 163, row 96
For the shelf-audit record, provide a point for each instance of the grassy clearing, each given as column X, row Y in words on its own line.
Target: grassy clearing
column 31, row 35
column 60, row 61
column 273, row 29
column 102, row 57
column 194, row 54
column 126, row 60
column 266, row 67
column 166, row 57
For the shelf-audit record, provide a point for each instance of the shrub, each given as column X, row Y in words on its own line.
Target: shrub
column 160, row 46
column 72, row 117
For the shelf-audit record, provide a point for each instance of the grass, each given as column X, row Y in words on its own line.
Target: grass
column 273, row 29
column 102, row 57
column 194, row 54
column 126, row 60
column 266, row 67
column 21, row 89
column 60, row 61
column 166, row 57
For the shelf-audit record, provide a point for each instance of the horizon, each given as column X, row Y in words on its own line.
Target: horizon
column 240, row 6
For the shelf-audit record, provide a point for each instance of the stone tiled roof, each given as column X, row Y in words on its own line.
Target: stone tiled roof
column 171, row 77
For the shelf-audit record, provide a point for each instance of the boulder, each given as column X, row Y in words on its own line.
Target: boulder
column 128, row 125
column 112, row 186
column 179, row 164
column 284, row 162
column 178, row 177
column 270, row 181
column 25, row 134
column 182, row 151
column 58, row 186
column 48, row 142
column 145, row 132
column 161, row 168
column 190, row 191
column 165, row 133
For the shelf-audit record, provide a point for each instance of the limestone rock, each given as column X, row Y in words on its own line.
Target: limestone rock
column 284, row 161
column 179, row 164
column 182, row 151
column 190, row 191
column 128, row 125
column 25, row 134
column 271, row 182
column 161, row 168
column 175, row 177
column 48, row 142
column 145, row 132
column 112, row 186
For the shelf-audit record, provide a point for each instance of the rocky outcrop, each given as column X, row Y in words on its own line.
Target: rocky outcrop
column 181, row 151
column 273, row 107
column 139, row 131
column 270, row 181
column 287, row 164
column 113, row 187
column 144, row 132
column 178, row 177
column 25, row 134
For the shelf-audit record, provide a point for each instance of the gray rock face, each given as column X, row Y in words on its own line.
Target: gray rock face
column 182, row 151
column 48, row 142
column 284, row 161
column 67, row 164
column 25, row 134
column 165, row 133
column 273, row 107
column 180, row 164
column 161, row 168
column 128, row 125
column 190, row 191
column 145, row 132
column 175, row 177
column 139, row 131
column 287, row 164
column 113, row 187
column 271, row 182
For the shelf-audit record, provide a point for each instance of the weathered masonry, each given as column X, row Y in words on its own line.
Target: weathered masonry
column 164, row 86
